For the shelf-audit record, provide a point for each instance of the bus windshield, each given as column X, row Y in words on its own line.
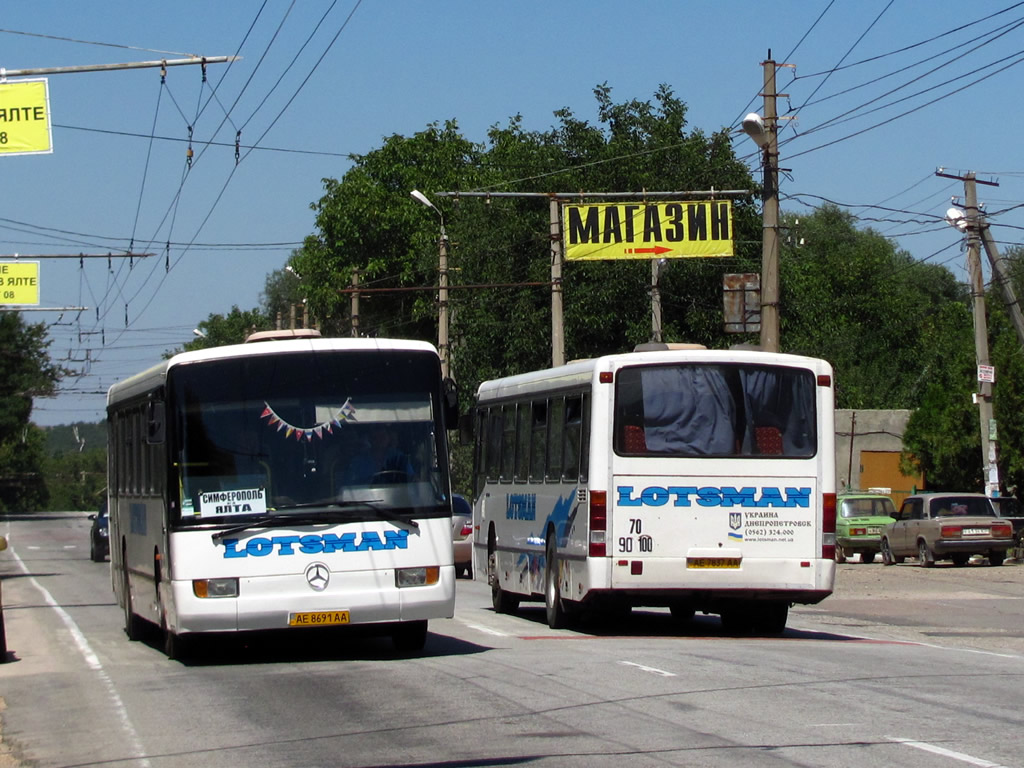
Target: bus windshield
column 261, row 435
column 699, row 409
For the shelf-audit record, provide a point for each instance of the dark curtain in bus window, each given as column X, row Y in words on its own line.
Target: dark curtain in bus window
column 573, row 427
column 508, row 442
column 523, row 424
column 538, row 440
column 688, row 410
column 493, row 443
column 780, row 411
column 556, row 417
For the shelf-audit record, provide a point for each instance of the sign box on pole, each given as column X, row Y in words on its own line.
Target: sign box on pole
column 25, row 117
column 664, row 230
column 19, row 283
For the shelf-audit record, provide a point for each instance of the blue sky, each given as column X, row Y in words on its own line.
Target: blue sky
column 381, row 67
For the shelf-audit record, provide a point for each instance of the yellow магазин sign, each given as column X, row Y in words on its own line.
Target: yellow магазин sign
column 676, row 230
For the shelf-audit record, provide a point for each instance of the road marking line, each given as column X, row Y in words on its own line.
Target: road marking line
column 652, row 670
column 485, row 630
column 92, row 660
column 964, row 758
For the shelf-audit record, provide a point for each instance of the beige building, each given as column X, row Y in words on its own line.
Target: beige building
column 868, row 445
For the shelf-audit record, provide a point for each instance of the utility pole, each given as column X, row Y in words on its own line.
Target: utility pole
column 1001, row 277
column 990, row 467
column 355, row 303
column 557, row 322
column 655, row 300
column 770, row 225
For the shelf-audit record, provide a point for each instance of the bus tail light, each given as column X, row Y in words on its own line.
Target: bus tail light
column 417, row 577
column 828, row 526
column 598, row 523
column 215, row 587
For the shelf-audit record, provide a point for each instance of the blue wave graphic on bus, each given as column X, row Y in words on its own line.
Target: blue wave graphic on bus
column 562, row 518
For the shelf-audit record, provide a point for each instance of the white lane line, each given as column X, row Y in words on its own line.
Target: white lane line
column 485, row 630
column 645, row 668
column 92, row 660
column 964, row 758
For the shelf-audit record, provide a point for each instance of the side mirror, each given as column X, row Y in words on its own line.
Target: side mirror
column 450, row 403
column 155, row 422
column 467, row 432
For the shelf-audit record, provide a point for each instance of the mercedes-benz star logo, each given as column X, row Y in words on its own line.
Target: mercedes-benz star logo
column 318, row 575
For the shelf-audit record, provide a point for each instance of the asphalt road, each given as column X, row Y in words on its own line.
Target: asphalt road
column 902, row 666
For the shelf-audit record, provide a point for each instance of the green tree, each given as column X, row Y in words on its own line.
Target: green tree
column 851, row 297
column 231, row 328
column 26, row 371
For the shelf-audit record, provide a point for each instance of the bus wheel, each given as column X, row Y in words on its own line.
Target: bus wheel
column 552, row 594
column 770, row 618
column 501, row 601
column 410, row 636
column 175, row 646
column 132, row 623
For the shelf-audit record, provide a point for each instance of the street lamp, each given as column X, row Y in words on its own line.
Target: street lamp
column 442, row 288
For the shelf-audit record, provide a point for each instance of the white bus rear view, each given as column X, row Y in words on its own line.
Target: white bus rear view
column 283, row 485
column 693, row 479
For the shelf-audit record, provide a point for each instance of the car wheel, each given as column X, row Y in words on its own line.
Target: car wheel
column 501, row 601
column 867, row 557
column 925, row 558
column 840, row 554
column 996, row 558
column 553, row 606
column 887, row 556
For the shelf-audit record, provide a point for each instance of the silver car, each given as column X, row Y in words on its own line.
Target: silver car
column 946, row 526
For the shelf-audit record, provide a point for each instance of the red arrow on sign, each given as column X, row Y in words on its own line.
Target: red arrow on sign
column 656, row 250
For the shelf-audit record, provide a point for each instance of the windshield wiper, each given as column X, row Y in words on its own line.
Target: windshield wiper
column 309, row 519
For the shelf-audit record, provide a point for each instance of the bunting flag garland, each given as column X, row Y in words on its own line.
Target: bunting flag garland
column 347, row 412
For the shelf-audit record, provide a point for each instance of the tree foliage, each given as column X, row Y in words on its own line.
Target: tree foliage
column 26, row 372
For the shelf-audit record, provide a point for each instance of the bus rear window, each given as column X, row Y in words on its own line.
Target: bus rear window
column 695, row 409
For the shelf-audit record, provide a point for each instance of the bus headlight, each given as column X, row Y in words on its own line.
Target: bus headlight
column 215, row 587
column 417, row 577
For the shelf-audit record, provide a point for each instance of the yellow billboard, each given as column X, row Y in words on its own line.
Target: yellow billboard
column 19, row 282
column 668, row 230
column 25, row 117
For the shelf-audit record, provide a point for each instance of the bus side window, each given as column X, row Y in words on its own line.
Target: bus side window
column 538, row 440
column 523, row 423
column 508, row 442
column 573, row 427
column 556, row 418
column 493, row 445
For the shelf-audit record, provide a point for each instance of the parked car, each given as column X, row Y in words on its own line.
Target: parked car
column 99, row 538
column 462, row 535
column 860, row 519
column 1008, row 508
column 946, row 526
